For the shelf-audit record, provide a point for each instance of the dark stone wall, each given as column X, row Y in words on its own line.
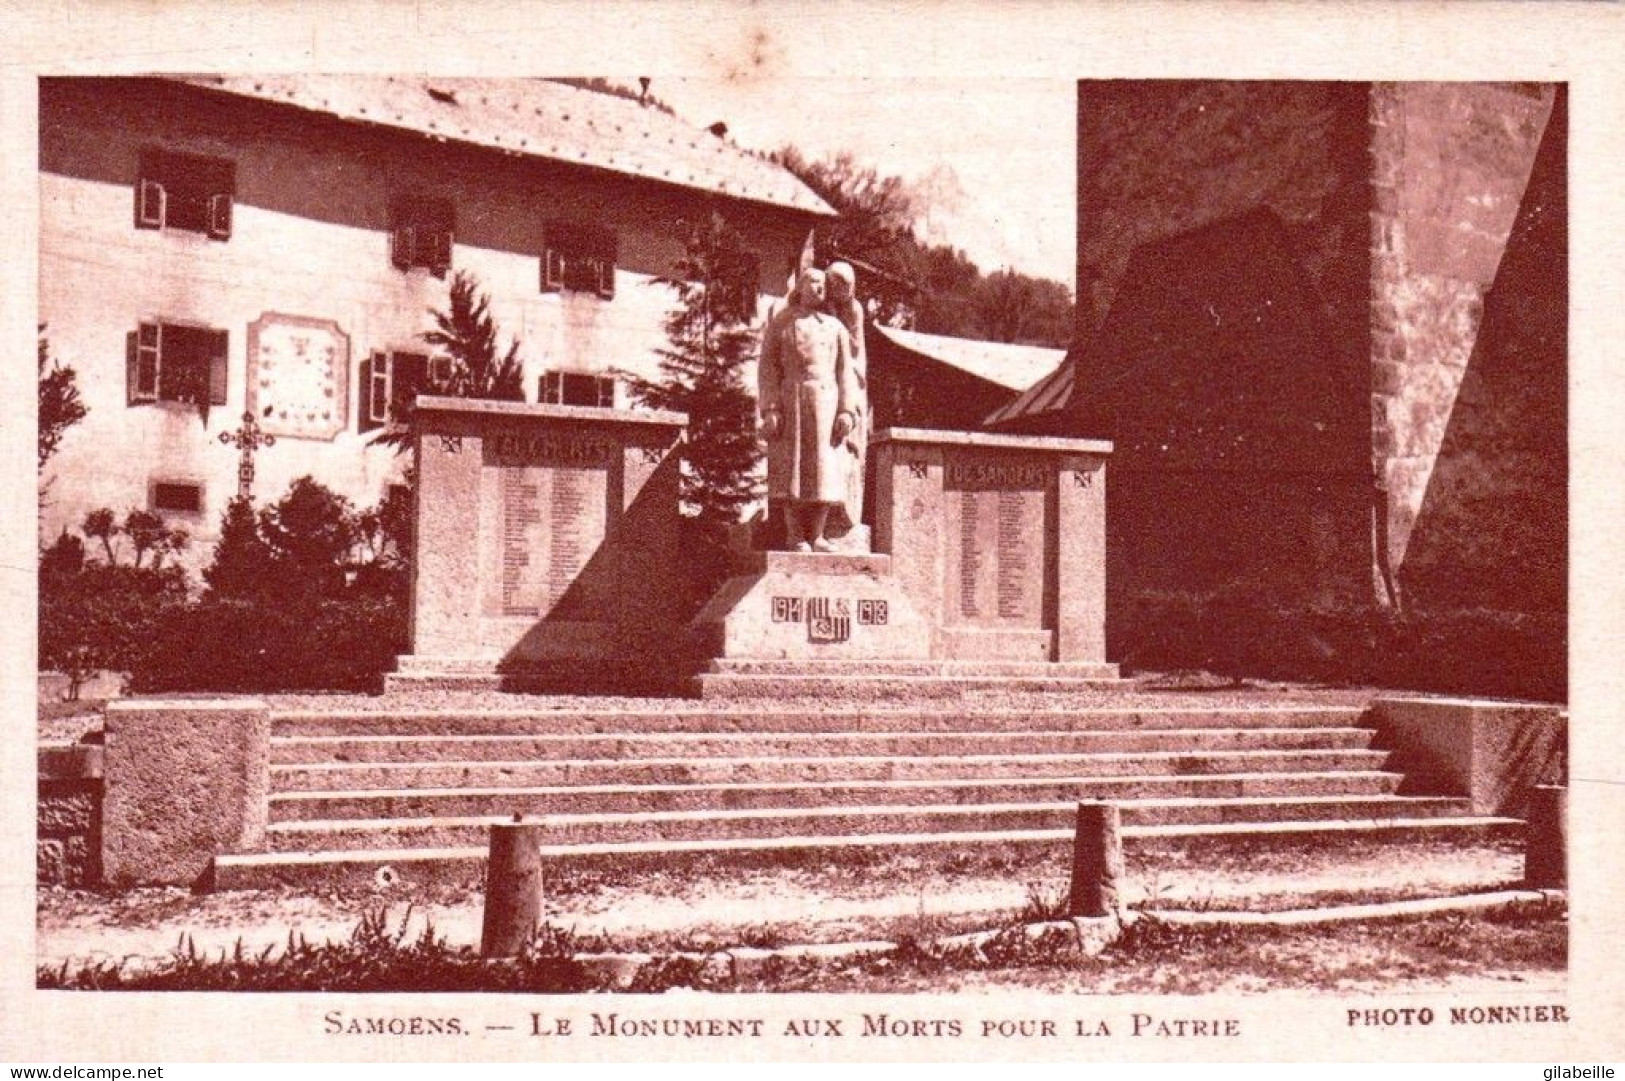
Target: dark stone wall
column 1223, row 260
column 1325, row 325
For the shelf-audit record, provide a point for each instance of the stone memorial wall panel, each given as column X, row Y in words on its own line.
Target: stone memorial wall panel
column 543, row 515
column 994, row 565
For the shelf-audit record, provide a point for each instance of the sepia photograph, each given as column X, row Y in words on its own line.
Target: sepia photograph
column 1084, row 556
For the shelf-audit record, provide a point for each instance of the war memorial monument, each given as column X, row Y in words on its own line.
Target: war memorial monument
column 862, row 685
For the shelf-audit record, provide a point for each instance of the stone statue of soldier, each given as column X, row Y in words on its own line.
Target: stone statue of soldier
column 843, row 303
column 807, row 395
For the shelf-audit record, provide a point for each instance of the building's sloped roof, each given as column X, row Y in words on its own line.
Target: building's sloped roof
column 537, row 118
column 1014, row 366
column 1045, row 396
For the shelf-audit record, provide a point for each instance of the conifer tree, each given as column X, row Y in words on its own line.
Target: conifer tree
column 701, row 371
column 242, row 565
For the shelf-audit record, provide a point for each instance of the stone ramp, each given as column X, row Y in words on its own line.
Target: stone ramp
column 413, row 793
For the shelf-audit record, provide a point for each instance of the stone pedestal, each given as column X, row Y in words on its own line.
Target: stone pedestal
column 812, row 606
column 546, row 536
column 998, row 540
column 183, row 781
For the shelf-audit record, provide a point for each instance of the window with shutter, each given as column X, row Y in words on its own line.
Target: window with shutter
column 552, row 262
column 579, row 259
column 149, row 205
column 220, row 216
column 421, row 234
column 576, row 388
column 409, row 377
column 172, row 362
column 185, row 191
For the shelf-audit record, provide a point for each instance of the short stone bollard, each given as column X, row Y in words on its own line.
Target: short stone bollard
column 1546, row 839
column 513, row 887
column 1097, row 860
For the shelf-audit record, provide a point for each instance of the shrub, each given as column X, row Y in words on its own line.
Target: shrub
column 104, row 617
column 267, row 643
column 310, row 532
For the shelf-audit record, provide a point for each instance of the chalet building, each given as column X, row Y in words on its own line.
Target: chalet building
column 271, row 244
column 933, row 381
column 1326, row 326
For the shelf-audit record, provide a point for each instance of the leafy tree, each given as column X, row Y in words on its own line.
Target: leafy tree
column 101, row 525
column 64, row 558
column 60, row 406
column 701, row 372
column 875, row 230
column 146, row 531
column 310, row 533
column 1012, row 307
column 904, row 282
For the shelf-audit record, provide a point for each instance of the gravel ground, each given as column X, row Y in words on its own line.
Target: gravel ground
column 891, row 898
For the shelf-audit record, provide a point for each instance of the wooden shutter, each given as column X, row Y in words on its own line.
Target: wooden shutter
column 402, row 241
column 374, row 393
column 604, row 270
column 219, row 352
column 141, row 363
column 132, row 368
column 441, row 370
column 439, row 253
column 220, row 216
column 552, row 269
column 149, row 204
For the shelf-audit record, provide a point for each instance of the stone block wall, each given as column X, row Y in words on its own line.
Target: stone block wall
column 1449, row 166
column 68, row 839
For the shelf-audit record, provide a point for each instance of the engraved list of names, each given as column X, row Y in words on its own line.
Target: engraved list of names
column 995, row 565
column 543, row 513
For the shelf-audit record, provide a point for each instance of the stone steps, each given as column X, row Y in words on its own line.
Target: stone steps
column 840, row 669
column 414, row 791
column 632, row 798
column 345, row 776
column 603, row 721
column 849, row 687
column 462, row 748
column 715, row 824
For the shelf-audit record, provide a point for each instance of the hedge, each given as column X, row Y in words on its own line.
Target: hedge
column 1459, row 651
column 261, row 646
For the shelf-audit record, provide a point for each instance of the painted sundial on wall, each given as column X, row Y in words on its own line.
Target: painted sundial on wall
column 298, row 376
